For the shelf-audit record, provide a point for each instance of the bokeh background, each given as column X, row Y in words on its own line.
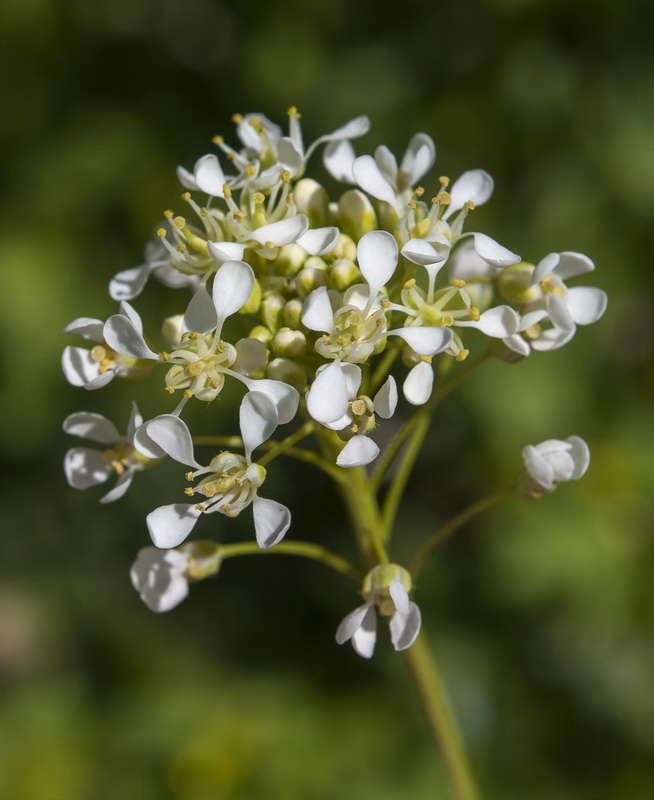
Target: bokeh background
column 541, row 614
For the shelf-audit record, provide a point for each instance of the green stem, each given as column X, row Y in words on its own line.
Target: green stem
column 382, row 370
column 451, row 526
column 424, row 671
column 287, row 443
column 290, row 548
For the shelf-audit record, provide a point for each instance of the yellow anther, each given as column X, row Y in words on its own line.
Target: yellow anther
column 181, row 248
column 290, row 200
column 293, row 112
column 186, row 197
column 458, row 283
column 162, row 232
column 200, row 507
column 165, row 356
column 462, row 355
column 474, row 314
column 168, row 214
column 225, row 509
column 189, row 476
column 189, row 491
column 98, row 353
column 217, row 139
column 169, row 389
column 380, row 322
column 188, row 394
column 385, row 303
column 258, row 198
column 238, row 216
column 532, row 332
column 447, row 320
column 204, row 212
column 444, row 198
column 209, row 489
column 250, row 171
column 546, row 279
column 214, row 384
column 358, row 407
column 192, row 335
column 227, row 191
column 409, row 284
column 354, row 428
column 255, row 121
column 285, row 176
column 413, row 205
column 237, row 118
column 194, row 369
column 270, row 245
column 179, row 222
column 469, row 205
column 419, row 191
column 426, row 359
column 118, row 467
column 231, row 156
column 444, row 181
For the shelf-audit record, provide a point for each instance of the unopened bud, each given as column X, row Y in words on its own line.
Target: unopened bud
column 272, row 311
column 287, row 342
column 293, row 313
column 356, row 215
column 344, row 273
column 289, row 260
column 287, row 371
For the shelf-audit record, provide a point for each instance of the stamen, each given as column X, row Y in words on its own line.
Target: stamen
column 237, row 118
column 444, row 181
column 409, row 284
column 258, row 198
column 285, row 176
column 227, row 191
column 98, row 353
column 270, row 245
column 250, row 171
column 474, row 314
column 209, row 489
column 385, row 303
column 162, row 233
column 194, row 368
column 238, row 216
column 293, row 112
column 186, row 197
column 179, row 222
column 426, row 359
column 462, row 355
column 188, row 394
column 458, row 283
column 168, row 214
column 189, row 491
column 218, row 139
column 444, row 198
column 169, row 389
column 469, row 205
column 447, row 320
column 189, row 476
column 419, row 191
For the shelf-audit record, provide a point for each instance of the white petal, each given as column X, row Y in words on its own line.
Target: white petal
column 387, row 163
column 159, row 577
column 78, row 366
column 258, row 419
column 365, row 637
column 385, row 401
column 251, row 357
column 580, row 453
column 494, row 253
column 100, row 380
column 91, row 426
column 499, row 322
column 135, row 421
column 132, row 315
column 318, row 241
column 399, row 596
column 571, row 264
column 405, row 627
column 358, row 451
column 209, row 176
column 475, row 185
column 418, row 384
column 538, row 467
column 283, row 232
column 129, row 283
column 186, row 178
column 418, row 159
column 338, row 158
column 121, row 335
column 353, row 129
column 586, row 304
column 170, row 525
column 558, row 312
column 327, row 398
column 544, row 267
column 200, row 316
column 226, row 251
column 352, row 373
column 120, row 487
column 427, row 340
column 517, row 344
column 289, row 155
column 271, row 521
column 232, row 287
column 87, row 327
column 377, row 254
column 552, row 339
column 172, row 435
column 285, row 397
column 85, row 467
column 317, row 314
column 420, row 251
column 370, row 178
column 351, row 623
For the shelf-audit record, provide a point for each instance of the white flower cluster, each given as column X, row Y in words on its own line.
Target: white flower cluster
column 299, row 297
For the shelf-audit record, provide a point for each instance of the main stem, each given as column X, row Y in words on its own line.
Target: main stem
column 429, row 684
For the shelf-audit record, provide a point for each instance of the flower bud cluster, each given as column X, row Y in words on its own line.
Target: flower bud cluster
column 305, row 299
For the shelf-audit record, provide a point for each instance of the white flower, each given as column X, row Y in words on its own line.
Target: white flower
column 85, row 467
column 231, row 483
column 94, row 368
column 359, row 417
column 551, row 462
column 161, row 577
column 548, row 299
column 386, row 591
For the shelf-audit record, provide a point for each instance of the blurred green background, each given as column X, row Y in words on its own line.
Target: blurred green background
column 541, row 614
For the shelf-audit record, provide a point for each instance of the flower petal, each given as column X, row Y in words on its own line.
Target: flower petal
column 385, row 401
column 87, row 327
column 557, row 309
column 418, row 384
column 318, row 241
column 226, row 251
column 418, row 158
column 571, row 264
column 123, row 337
column 580, row 453
column 283, row 232
column 365, row 637
column 494, row 253
column 317, row 313
column 338, row 158
column 171, row 435
column 586, row 304
column 85, row 467
column 474, row 186
column 271, row 521
column 426, row 340
column 120, row 487
column 232, row 287
column 538, row 467
column 170, row 525
column 371, row 179
column 399, row 595
column 360, row 450
column 79, row 367
column 258, row 419
column 420, row 251
column 91, row 426
column 327, row 398
column 405, row 627
column 129, row 283
column 377, row 254
column 351, row 623
column 159, row 578
column 499, row 322
column 200, row 316
column 544, row 267
column 285, row 397
column 209, row 176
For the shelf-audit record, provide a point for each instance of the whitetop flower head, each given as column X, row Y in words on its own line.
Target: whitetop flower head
column 230, row 482
column 85, row 467
column 551, row 462
column 386, row 592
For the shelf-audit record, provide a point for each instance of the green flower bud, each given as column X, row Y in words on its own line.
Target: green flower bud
column 345, row 248
column 513, row 284
column 356, row 215
column 261, row 333
column 311, row 277
column 289, row 260
column 293, row 313
column 287, row 342
column 344, row 273
column 171, row 330
column 254, row 301
column 287, row 371
column 272, row 311
column 311, row 199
